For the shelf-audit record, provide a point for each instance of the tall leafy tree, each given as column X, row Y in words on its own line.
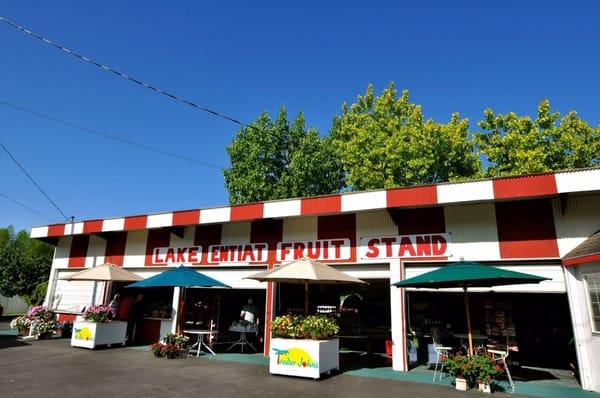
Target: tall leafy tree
column 516, row 144
column 385, row 141
column 277, row 160
column 24, row 263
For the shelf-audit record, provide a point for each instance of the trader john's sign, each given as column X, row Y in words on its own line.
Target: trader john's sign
column 369, row 249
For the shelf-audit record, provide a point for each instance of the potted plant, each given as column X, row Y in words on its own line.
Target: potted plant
column 40, row 322
column 21, row 324
column 485, row 370
column 460, row 367
column 97, row 328
column 171, row 346
column 304, row 346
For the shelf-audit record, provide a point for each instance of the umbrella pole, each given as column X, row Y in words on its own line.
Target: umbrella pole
column 305, row 298
column 466, row 295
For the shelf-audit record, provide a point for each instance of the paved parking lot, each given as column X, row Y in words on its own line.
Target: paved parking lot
column 51, row 368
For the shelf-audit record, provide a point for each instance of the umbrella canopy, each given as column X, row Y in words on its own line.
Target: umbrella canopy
column 305, row 271
column 467, row 274
column 105, row 272
column 179, row 277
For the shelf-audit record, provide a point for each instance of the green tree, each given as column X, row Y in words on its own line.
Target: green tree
column 276, row 160
column 24, row 263
column 386, row 142
column 516, row 144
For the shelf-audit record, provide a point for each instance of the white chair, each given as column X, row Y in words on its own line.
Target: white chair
column 441, row 353
column 500, row 357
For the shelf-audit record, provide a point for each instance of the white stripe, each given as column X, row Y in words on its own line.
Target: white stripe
column 39, row 232
column 465, row 192
column 159, row 220
column 282, row 208
column 78, row 228
column 578, row 181
column 364, row 201
column 114, row 224
column 220, row 214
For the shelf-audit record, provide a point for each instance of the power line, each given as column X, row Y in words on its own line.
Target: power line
column 123, row 75
column 26, row 207
column 112, row 137
column 32, row 180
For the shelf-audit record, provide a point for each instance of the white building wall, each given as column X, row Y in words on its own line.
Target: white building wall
column 581, row 219
column 587, row 342
column 135, row 250
column 474, row 235
column 95, row 252
column 235, row 233
column 373, row 223
column 62, row 251
column 300, row 229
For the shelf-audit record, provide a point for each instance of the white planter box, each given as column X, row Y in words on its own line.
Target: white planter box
column 304, row 358
column 91, row 334
column 461, row 384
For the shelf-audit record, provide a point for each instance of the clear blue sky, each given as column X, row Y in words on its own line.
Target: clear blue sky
column 245, row 57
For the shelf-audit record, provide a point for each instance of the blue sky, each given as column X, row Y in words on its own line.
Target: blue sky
column 244, row 57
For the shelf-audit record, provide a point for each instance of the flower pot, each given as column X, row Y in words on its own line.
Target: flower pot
column 485, row 387
column 461, row 384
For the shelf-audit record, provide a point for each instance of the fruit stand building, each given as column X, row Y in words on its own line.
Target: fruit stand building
column 533, row 224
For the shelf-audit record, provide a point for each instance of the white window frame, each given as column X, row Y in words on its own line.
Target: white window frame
column 588, row 296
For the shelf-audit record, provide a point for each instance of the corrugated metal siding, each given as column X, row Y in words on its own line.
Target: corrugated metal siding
column 72, row 296
column 300, row 229
column 235, row 234
column 581, row 219
column 135, row 250
column 61, row 253
column 474, row 233
column 374, row 223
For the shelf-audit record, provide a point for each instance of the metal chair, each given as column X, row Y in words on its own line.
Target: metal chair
column 500, row 357
column 441, row 353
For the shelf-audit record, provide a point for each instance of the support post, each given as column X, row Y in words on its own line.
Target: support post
column 398, row 315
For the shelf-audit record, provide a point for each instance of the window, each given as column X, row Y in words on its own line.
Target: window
column 593, row 288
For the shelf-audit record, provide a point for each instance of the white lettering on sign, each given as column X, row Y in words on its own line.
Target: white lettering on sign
column 322, row 249
column 235, row 254
column 180, row 255
column 402, row 246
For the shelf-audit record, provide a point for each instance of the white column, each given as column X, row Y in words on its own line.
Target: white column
column 175, row 309
column 398, row 318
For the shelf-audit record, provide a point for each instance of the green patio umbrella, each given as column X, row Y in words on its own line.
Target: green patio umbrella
column 467, row 274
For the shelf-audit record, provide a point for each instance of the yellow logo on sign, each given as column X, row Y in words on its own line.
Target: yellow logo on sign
column 83, row 334
column 295, row 357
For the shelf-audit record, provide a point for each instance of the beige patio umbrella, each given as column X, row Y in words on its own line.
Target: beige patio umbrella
column 305, row 271
column 105, row 272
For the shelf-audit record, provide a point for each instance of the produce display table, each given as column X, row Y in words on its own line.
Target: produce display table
column 304, row 358
column 91, row 334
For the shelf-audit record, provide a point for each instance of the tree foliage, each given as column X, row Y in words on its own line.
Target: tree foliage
column 516, row 144
column 277, row 160
column 385, row 141
column 24, row 263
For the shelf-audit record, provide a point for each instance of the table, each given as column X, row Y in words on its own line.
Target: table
column 481, row 338
column 200, row 342
column 242, row 341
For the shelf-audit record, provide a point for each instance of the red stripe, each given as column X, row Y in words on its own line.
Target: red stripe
column 115, row 248
column 252, row 211
column 268, row 317
column 187, row 217
column 581, row 260
column 79, row 247
column 526, row 229
column 89, row 227
column 269, row 231
column 525, row 186
column 156, row 238
column 339, row 226
column 135, row 222
column 56, row 230
column 427, row 220
column 417, row 196
column 206, row 235
column 66, row 317
column 321, row 205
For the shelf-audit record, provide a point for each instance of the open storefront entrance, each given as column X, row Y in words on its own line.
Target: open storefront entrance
column 536, row 327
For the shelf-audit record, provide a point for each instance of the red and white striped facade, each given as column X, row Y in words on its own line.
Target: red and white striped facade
column 528, row 222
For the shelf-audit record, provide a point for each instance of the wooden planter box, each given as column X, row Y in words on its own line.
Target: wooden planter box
column 91, row 334
column 304, row 358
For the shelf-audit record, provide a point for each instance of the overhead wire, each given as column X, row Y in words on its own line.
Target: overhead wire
column 125, row 76
column 14, row 159
column 113, row 137
column 5, row 196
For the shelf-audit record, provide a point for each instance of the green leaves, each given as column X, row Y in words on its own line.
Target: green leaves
column 516, row 144
column 24, row 263
column 278, row 160
column 386, row 142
